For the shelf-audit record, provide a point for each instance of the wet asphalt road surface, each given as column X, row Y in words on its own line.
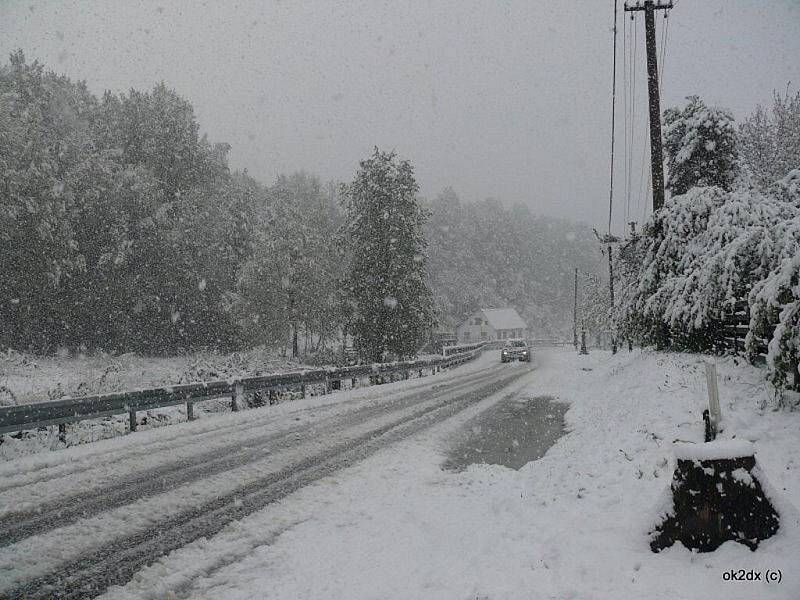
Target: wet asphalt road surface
column 512, row 433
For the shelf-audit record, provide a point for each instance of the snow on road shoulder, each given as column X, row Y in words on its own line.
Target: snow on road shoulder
column 570, row 525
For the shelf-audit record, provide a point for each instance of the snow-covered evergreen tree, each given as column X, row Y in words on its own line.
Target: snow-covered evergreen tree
column 392, row 305
column 700, row 146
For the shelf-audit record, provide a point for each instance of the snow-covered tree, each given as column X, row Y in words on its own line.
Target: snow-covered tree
column 700, row 146
column 392, row 305
column 594, row 305
column 769, row 141
column 289, row 284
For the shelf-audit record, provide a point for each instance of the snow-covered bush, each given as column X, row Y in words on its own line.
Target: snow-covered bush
column 775, row 308
column 700, row 145
column 703, row 254
column 653, row 273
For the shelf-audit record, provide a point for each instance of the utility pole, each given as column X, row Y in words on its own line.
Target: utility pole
column 656, row 154
column 611, row 294
column 575, row 313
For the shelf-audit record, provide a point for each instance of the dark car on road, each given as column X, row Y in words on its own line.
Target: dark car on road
column 515, row 350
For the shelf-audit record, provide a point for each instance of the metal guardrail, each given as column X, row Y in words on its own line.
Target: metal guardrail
column 70, row 410
column 453, row 350
column 548, row 342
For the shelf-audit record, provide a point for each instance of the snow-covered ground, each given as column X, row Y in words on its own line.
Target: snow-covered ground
column 28, row 379
column 39, row 378
column 572, row 525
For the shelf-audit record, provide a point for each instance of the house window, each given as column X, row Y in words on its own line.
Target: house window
column 466, row 336
column 499, row 335
column 484, row 335
column 478, row 321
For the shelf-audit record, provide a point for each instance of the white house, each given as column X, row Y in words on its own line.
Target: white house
column 492, row 324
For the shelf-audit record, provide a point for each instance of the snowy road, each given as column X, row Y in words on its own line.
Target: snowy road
column 74, row 523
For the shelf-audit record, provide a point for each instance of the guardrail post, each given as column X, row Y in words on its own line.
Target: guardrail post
column 190, row 411
column 132, row 420
column 303, row 391
column 353, row 382
column 238, row 393
column 62, row 432
column 273, row 396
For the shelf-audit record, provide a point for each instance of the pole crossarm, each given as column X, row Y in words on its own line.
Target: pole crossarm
column 641, row 5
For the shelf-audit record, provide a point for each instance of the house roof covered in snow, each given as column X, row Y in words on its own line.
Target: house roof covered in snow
column 504, row 318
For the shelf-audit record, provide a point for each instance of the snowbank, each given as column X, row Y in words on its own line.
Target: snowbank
column 717, row 449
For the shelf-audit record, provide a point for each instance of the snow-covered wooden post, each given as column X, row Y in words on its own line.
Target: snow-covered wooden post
column 132, row 420
column 715, row 414
column 238, row 395
column 190, row 410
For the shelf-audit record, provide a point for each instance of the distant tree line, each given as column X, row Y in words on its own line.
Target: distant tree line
column 728, row 236
column 122, row 228
column 486, row 255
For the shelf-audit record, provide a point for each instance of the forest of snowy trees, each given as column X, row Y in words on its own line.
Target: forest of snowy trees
column 124, row 229
column 729, row 235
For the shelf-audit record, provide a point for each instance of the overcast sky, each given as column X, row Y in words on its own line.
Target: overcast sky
column 509, row 99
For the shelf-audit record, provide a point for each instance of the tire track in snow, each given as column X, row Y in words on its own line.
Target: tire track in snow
column 49, row 472
column 150, row 482
column 116, row 562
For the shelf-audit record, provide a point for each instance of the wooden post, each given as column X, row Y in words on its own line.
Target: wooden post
column 190, row 411
column 62, row 432
column 715, row 414
column 353, row 383
column 238, row 396
column 132, row 420
column 303, row 391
